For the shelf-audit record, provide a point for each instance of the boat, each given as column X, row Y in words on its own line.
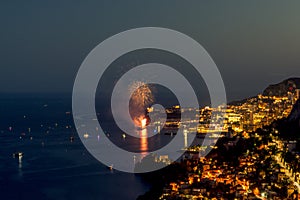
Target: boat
column 111, row 167
column 86, row 135
column 18, row 155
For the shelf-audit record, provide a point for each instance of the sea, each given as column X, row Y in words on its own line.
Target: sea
column 55, row 164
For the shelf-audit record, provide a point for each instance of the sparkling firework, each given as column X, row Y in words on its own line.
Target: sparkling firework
column 141, row 99
column 141, row 94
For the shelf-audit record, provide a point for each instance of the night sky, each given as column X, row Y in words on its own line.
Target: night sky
column 43, row 43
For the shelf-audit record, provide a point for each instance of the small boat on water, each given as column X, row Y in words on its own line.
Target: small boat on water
column 18, row 155
column 86, row 135
column 111, row 167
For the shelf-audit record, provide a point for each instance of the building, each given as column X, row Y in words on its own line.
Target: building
column 297, row 91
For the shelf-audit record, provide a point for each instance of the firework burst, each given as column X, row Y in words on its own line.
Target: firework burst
column 141, row 99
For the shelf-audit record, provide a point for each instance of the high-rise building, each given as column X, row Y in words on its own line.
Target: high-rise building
column 297, row 93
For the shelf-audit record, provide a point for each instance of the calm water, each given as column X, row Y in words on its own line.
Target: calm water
column 53, row 167
column 60, row 170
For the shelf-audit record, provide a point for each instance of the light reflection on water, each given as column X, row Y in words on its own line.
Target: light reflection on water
column 20, row 171
column 143, row 141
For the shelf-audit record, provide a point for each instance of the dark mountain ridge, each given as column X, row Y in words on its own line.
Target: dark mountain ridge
column 281, row 89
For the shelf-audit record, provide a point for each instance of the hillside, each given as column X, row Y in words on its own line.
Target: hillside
column 281, row 89
column 290, row 127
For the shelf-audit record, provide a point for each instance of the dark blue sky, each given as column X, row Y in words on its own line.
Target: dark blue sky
column 43, row 43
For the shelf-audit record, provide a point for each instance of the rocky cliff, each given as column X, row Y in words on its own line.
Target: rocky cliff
column 295, row 113
column 282, row 88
